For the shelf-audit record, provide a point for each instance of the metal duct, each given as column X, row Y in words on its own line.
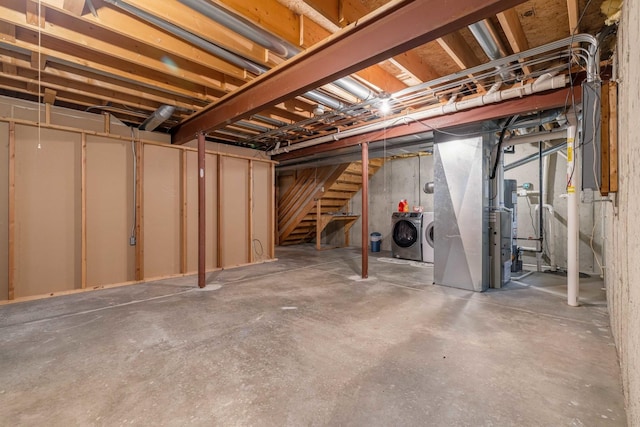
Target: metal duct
column 490, row 43
column 162, row 114
column 240, row 25
column 191, row 38
column 279, row 46
column 535, row 156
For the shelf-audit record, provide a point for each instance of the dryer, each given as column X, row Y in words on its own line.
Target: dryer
column 406, row 242
column 427, row 236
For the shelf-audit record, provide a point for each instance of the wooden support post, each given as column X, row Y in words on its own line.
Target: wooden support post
column 219, row 230
column 139, row 210
column 47, row 114
column 183, row 214
column 318, row 224
column 107, row 122
column 250, row 219
column 83, row 208
column 604, row 138
column 274, row 218
column 12, row 209
column 202, row 218
column 365, row 210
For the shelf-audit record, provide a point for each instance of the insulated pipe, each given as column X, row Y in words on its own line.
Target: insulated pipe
column 161, row 115
column 216, row 50
column 191, row 38
column 365, row 210
column 511, row 93
column 573, row 274
column 491, row 45
column 238, row 25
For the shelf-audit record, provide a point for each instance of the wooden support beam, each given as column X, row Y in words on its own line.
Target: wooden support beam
column 183, row 212
column 73, row 6
column 12, row 211
column 49, row 96
column 604, row 139
column 510, row 23
column 139, row 210
column 83, row 209
column 9, row 69
column 7, row 32
column 573, row 12
column 35, row 13
column 38, row 61
column 107, row 121
column 47, row 113
column 365, row 211
column 202, row 213
column 458, row 49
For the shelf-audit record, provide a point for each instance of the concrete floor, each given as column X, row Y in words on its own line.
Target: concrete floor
column 301, row 342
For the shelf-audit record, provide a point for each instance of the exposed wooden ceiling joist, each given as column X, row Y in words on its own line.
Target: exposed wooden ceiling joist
column 414, row 24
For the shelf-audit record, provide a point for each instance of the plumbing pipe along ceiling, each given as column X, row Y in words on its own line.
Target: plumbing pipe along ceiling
column 136, row 59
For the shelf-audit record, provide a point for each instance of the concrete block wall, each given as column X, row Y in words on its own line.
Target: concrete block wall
column 622, row 268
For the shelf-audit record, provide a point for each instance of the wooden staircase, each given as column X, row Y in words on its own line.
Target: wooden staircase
column 317, row 197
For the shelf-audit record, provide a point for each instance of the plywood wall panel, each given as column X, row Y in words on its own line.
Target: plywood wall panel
column 110, row 180
column 262, row 189
column 211, row 203
column 4, row 210
column 234, row 210
column 192, row 211
column 162, row 185
column 48, row 212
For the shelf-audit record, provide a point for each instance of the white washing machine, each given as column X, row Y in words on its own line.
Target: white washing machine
column 427, row 236
column 406, row 235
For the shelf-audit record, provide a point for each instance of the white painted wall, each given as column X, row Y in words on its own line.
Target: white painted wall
column 623, row 224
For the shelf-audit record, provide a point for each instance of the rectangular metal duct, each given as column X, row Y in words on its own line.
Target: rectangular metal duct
column 461, row 205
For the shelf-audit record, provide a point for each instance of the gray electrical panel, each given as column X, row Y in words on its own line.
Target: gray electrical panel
column 590, row 135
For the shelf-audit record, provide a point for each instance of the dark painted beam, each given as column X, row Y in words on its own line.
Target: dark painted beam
column 390, row 30
column 528, row 104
